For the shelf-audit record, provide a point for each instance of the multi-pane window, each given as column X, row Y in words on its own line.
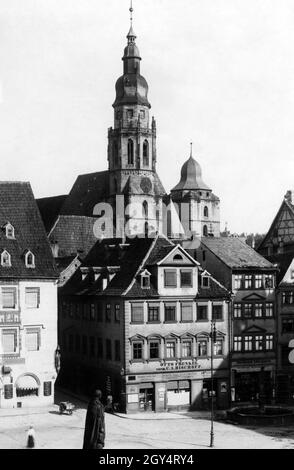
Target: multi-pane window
column 269, row 309
column 258, row 342
column 202, row 312
column 8, row 297
column 9, row 341
column 205, row 279
column 137, row 315
column 108, row 313
column 170, row 312
column 99, row 347
column 202, row 347
column 170, row 349
column 269, row 281
column 32, row 297
column 117, row 313
column 108, row 349
column 5, row 259
column 218, row 347
column 145, row 282
column 287, row 297
column 237, row 310
column 248, row 281
column 170, row 278
column 187, row 348
column 237, row 343
column 117, row 350
column 248, row 309
column 33, row 340
column 288, row 325
column 248, row 343
column 186, row 312
column 258, row 281
column 186, row 278
column 154, row 350
column 217, row 312
column 258, row 310
column 137, row 350
column 153, row 313
column 269, row 342
column 238, row 281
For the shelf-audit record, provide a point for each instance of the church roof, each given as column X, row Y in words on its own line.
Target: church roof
column 191, row 177
column 49, row 208
column 18, row 207
column 235, row 253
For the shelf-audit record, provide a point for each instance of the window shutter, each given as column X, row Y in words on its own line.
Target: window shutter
column 187, row 312
column 32, row 340
column 137, row 313
column 32, row 297
column 47, row 389
column 170, row 278
column 8, row 342
column 8, row 391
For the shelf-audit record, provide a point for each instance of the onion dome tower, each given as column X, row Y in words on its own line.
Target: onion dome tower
column 132, row 143
column 198, row 206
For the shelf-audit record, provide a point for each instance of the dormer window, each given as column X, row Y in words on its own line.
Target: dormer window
column 9, row 231
column 205, row 281
column 30, row 259
column 5, row 259
column 145, row 279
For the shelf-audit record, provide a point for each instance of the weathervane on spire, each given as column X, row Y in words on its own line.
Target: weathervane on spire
column 191, row 151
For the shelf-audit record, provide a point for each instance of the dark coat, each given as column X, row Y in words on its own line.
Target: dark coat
column 94, row 434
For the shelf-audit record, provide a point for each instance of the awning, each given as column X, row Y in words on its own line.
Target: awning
column 26, row 381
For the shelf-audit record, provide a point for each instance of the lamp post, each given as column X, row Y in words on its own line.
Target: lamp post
column 212, row 342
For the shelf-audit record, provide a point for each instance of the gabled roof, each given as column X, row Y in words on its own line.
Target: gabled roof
column 73, row 234
column 285, row 204
column 235, row 253
column 18, row 205
column 49, row 208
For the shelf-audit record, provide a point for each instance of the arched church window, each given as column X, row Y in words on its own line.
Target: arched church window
column 145, row 153
column 130, row 152
column 205, row 231
column 205, row 211
column 145, row 209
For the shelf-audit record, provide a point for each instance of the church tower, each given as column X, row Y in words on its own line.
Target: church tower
column 132, row 145
column 198, row 207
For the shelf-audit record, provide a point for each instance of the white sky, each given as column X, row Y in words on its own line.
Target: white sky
column 220, row 73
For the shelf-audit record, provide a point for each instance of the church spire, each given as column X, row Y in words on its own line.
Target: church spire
column 131, row 34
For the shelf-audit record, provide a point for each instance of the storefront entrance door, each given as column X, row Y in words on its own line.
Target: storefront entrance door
column 146, row 399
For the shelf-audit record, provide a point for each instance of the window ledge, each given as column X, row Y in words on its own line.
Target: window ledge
column 203, row 320
column 153, row 322
column 171, row 321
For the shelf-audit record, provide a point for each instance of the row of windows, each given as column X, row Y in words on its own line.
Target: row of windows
column 92, row 312
column 130, row 114
column 170, row 312
column 9, row 297
column 10, row 340
column 287, row 297
column 254, row 310
column 254, row 281
column 92, row 347
column 131, row 152
column 171, row 278
column 5, row 259
column 253, row 343
column 185, row 350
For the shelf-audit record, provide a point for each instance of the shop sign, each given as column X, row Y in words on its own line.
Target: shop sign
column 179, row 365
column 133, row 398
column 9, row 317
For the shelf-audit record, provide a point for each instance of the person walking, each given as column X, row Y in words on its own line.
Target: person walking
column 94, row 435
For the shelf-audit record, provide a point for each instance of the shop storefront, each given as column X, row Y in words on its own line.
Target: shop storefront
column 178, row 394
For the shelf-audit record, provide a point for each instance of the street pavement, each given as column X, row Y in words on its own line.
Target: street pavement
column 183, row 430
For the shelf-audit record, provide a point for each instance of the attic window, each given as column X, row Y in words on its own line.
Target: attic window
column 5, row 259
column 9, row 231
column 178, row 258
column 145, row 280
column 30, row 260
column 205, row 281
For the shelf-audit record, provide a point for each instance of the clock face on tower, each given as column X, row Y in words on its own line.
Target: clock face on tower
column 146, row 184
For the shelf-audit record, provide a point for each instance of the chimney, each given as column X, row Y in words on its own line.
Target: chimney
column 289, row 196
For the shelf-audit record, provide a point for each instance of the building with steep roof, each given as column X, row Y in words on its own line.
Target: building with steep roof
column 254, row 323
column 136, row 320
column 198, row 207
column 28, row 301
